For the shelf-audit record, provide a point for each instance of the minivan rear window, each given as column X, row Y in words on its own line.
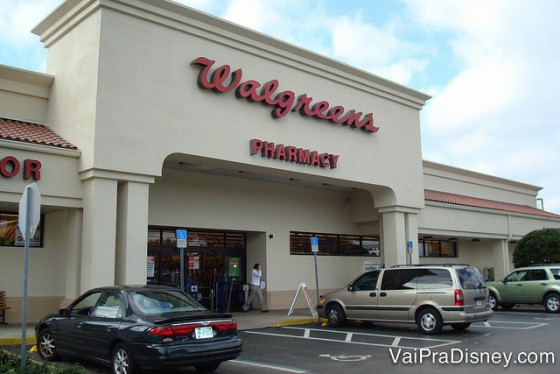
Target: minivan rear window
column 421, row 278
column 429, row 279
column 471, row 279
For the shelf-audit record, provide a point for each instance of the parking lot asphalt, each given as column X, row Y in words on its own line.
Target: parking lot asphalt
column 520, row 341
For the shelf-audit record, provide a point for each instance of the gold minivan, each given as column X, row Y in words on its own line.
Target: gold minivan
column 429, row 295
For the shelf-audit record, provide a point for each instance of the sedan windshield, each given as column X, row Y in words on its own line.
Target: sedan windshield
column 165, row 301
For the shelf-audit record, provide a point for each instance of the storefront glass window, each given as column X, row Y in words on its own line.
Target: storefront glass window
column 334, row 244
column 448, row 249
column 235, row 240
column 169, row 238
column 437, row 248
column 10, row 235
column 196, row 238
column 432, row 248
column 154, row 237
column 350, row 244
column 206, row 239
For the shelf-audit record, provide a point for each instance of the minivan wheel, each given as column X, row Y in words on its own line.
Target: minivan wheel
column 429, row 321
column 335, row 315
column 493, row 301
column 552, row 303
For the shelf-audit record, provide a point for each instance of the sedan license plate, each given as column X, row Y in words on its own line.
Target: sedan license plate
column 478, row 303
column 204, row 332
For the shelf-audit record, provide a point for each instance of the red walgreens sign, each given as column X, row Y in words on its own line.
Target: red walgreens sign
column 222, row 80
column 293, row 154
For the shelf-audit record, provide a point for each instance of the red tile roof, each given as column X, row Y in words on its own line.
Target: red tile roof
column 449, row 198
column 31, row 133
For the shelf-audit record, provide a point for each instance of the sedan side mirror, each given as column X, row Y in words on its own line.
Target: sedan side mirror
column 351, row 288
column 62, row 311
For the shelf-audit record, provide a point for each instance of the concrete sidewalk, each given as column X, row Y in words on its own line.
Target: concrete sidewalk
column 12, row 334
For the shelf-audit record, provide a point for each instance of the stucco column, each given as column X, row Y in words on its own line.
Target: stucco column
column 132, row 232
column 99, row 233
column 72, row 257
column 411, row 234
column 398, row 226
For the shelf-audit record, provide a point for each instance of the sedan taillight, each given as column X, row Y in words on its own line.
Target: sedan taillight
column 225, row 325
column 188, row 328
column 161, row 330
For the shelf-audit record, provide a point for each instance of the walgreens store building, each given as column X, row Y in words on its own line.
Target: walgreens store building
column 154, row 118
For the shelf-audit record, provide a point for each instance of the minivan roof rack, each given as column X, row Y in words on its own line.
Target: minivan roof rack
column 420, row 265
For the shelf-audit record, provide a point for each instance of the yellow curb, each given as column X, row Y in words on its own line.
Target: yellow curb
column 289, row 322
column 17, row 341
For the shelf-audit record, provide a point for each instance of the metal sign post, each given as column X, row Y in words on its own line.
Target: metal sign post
column 182, row 244
column 315, row 249
column 409, row 252
column 29, row 215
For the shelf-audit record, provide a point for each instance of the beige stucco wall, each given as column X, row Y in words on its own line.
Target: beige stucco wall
column 469, row 183
column 131, row 102
column 186, row 199
column 48, row 271
column 59, row 185
column 132, row 105
column 24, row 94
column 130, row 91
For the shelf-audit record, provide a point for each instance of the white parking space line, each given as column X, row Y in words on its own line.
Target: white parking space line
column 435, row 343
column 285, row 369
column 515, row 325
column 378, row 335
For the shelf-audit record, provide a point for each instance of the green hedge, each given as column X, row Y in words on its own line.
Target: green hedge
column 10, row 363
column 538, row 247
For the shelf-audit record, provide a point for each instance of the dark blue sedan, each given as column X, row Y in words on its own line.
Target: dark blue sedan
column 131, row 328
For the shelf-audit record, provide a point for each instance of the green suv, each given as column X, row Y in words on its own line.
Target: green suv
column 537, row 284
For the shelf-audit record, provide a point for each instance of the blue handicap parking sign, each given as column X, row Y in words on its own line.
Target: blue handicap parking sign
column 181, row 234
column 314, row 244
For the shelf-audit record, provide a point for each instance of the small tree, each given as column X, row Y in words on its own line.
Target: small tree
column 538, row 247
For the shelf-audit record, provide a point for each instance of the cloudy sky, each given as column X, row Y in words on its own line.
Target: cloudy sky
column 492, row 67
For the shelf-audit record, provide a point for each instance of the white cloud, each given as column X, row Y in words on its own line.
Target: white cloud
column 507, row 89
column 472, row 97
column 17, row 18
